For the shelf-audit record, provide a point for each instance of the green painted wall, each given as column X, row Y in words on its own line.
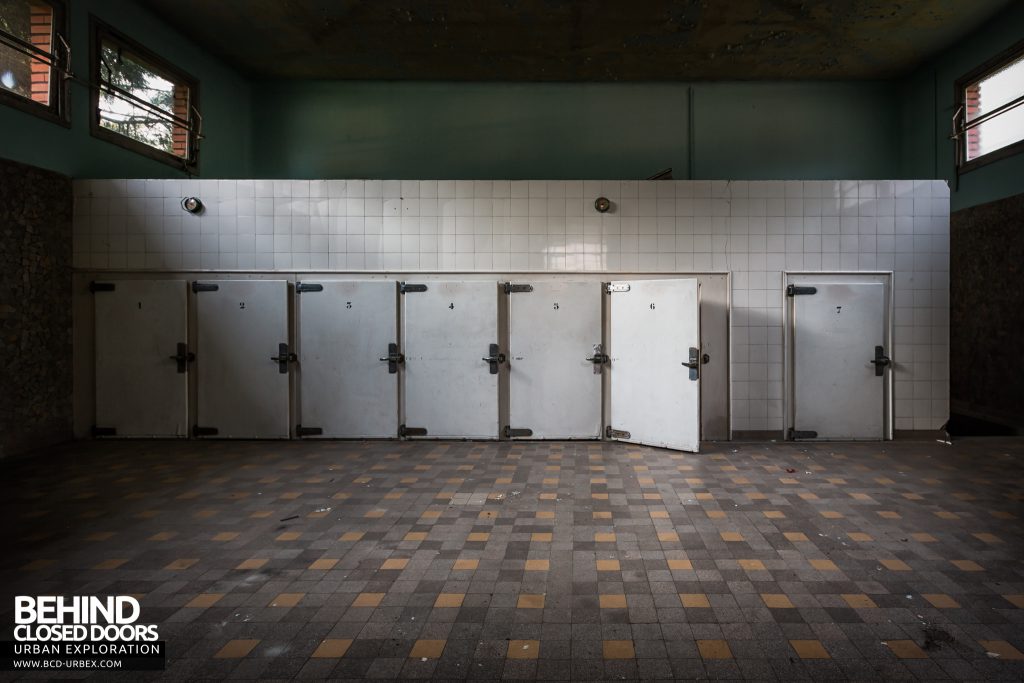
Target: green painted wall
column 574, row 130
column 224, row 99
column 927, row 112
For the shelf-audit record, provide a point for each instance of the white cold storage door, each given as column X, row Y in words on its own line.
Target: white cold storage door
column 655, row 338
column 343, row 331
column 555, row 391
column 141, row 383
column 449, row 328
column 242, row 329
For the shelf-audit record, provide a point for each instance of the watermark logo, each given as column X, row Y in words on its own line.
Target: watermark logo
column 81, row 632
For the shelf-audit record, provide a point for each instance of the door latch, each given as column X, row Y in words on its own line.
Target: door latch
column 183, row 357
column 599, row 359
column 393, row 358
column 880, row 361
column 283, row 358
column 694, row 363
column 495, row 358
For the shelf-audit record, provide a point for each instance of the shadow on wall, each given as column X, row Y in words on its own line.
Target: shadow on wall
column 35, row 308
column 987, row 319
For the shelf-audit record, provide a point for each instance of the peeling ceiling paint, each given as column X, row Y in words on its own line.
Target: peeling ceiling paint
column 575, row 40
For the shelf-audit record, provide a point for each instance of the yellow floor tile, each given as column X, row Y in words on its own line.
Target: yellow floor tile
column 427, row 649
column 906, row 649
column 523, row 649
column 368, row 600
column 694, row 600
column 940, row 600
column 287, row 600
column 612, row 601
column 809, row 649
column 236, row 649
column 449, row 600
column 859, row 601
column 1002, row 648
column 204, row 600
column 527, row 601
column 776, row 601
column 618, row 649
column 714, row 649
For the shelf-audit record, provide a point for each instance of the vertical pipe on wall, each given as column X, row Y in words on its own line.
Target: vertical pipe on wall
column 689, row 133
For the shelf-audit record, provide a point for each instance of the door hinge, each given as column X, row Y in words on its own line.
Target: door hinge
column 183, row 357
column 308, row 431
column 880, row 361
column 494, row 359
column 393, row 358
column 411, row 431
column 103, row 431
column 204, row 287
column 795, row 290
column 405, row 288
column 516, row 289
column 795, row 434
column 511, row 433
column 599, row 359
column 694, row 363
column 615, row 433
column 204, row 431
column 283, row 358
column 101, row 287
column 301, row 287
column 620, row 287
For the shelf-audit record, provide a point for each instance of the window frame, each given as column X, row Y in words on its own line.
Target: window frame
column 100, row 31
column 978, row 73
column 58, row 110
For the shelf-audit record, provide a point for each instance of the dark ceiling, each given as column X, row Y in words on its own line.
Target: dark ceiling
column 575, row 40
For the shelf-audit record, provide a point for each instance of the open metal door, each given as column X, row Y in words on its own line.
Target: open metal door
column 142, row 358
column 243, row 359
column 347, row 340
column 840, row 358
column 452, row 359
column 655, row 363
column 555, row 360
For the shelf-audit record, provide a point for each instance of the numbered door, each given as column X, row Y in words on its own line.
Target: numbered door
column 452, row 359
column 347, row 334
column 242, row 363
column 555, row 356
column 840, row 359
column 655, row 363
column 141, row 358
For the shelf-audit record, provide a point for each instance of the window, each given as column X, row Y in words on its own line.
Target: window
column 34, row 57
column 141, row 102
column 989, row 120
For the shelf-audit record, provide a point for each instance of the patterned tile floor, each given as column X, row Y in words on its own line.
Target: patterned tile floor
column 552, row 561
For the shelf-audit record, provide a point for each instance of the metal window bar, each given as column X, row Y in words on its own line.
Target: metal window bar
column 63, row 67
column 105, row 85
column 961, row 127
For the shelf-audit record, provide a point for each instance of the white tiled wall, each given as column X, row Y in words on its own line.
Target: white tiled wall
column 756, row 230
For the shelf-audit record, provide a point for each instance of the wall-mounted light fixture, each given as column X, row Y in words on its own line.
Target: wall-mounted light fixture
column 192, row 204
column 602, row 204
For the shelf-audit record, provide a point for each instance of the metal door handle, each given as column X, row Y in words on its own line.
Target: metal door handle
column 283, row 358
column 183, row 357
column 393, row 358
column 693, row 363
column 880, row 361
column 598, row 358
column 495, row 359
